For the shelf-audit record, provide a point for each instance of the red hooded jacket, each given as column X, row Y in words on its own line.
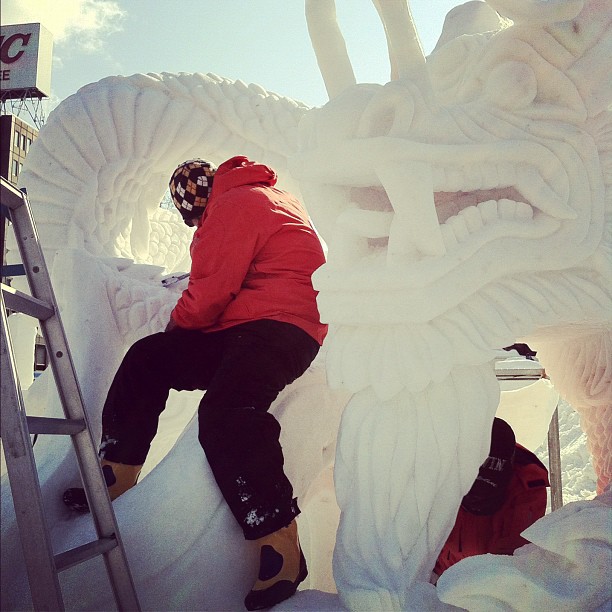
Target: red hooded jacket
column 252, row 256
column 500, row 533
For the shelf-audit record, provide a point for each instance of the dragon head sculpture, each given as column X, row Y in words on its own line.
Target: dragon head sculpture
column 466, row 203
column 484, row 166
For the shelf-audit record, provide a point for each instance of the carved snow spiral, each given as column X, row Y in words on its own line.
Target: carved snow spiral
column 101, row 163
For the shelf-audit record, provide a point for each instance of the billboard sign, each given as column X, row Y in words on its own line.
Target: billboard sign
column 25, row 60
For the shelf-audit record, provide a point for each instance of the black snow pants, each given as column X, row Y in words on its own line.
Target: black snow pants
column 242, row 369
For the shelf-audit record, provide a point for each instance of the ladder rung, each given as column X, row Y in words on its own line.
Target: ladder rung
column 13, row 270
column 22, row 302
column 11, row 196
column 50, row 425
column 532, row 376
column 505, row 371
column 83, row 553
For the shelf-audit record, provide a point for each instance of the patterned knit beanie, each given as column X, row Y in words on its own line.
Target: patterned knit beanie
column 190, row 187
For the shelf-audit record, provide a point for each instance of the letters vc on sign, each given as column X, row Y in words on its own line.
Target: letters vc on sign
column 11, row 50
column 25, row 60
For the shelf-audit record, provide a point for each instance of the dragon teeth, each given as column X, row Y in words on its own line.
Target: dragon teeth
column 472, row 218
column 531, row 184
column 459, row 227
column 490, row 177
column 524, row 211
column 488, row 211
column 413, row 228
column 449, row 237
column 506, row 209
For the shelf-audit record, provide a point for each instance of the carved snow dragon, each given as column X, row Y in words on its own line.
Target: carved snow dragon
column 466, row 204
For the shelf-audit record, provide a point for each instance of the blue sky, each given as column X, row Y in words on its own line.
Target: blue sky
column 257, row 41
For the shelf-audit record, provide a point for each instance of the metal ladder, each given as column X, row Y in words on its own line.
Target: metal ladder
column 42, row 564
column 554, row 446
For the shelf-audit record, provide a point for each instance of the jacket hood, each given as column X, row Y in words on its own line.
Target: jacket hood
column 239, row 171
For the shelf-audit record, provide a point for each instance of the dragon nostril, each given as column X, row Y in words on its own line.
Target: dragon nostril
column 390, row 111
column 511, row 85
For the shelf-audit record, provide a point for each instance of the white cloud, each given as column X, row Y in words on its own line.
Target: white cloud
column 82, row 22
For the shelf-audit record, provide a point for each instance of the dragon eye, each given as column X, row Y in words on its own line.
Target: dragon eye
column 511, row 85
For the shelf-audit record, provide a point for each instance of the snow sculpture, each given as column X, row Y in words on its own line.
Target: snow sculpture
column 573, row 544
column 521, row 204
column 466, row 204
column 175, row 525
column 95, row 178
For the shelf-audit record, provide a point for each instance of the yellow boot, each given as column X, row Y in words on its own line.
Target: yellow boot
column 281, row 568
column 119, row 478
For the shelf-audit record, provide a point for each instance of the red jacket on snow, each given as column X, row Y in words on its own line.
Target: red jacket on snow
column 499, row 533
column 252, row 256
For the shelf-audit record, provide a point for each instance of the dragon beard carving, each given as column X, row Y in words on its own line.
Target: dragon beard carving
column 466, row 204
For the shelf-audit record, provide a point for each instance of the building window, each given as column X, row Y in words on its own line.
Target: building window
column 15, row 168
column 23, row 142
column 29, row 143
column 40, row 354
column 17, row 142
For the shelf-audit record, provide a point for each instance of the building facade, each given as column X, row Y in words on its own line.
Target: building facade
column 16, row 138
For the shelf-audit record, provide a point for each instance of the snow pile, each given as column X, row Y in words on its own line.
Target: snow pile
column 579, row 479
column 573, row 543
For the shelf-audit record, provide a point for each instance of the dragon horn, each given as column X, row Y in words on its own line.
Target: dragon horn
column 405, row 51
column 329, row 46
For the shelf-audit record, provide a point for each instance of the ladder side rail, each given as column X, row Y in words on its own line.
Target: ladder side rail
column 62, row 367
column 554, row 462
column 554, row 445
column 30, row 250
column 52, row 328
column 67, row 385
column 25, row 486
column 121, row 580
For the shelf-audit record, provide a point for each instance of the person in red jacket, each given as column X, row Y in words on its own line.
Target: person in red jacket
column 246, row 326
column 508, row 495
